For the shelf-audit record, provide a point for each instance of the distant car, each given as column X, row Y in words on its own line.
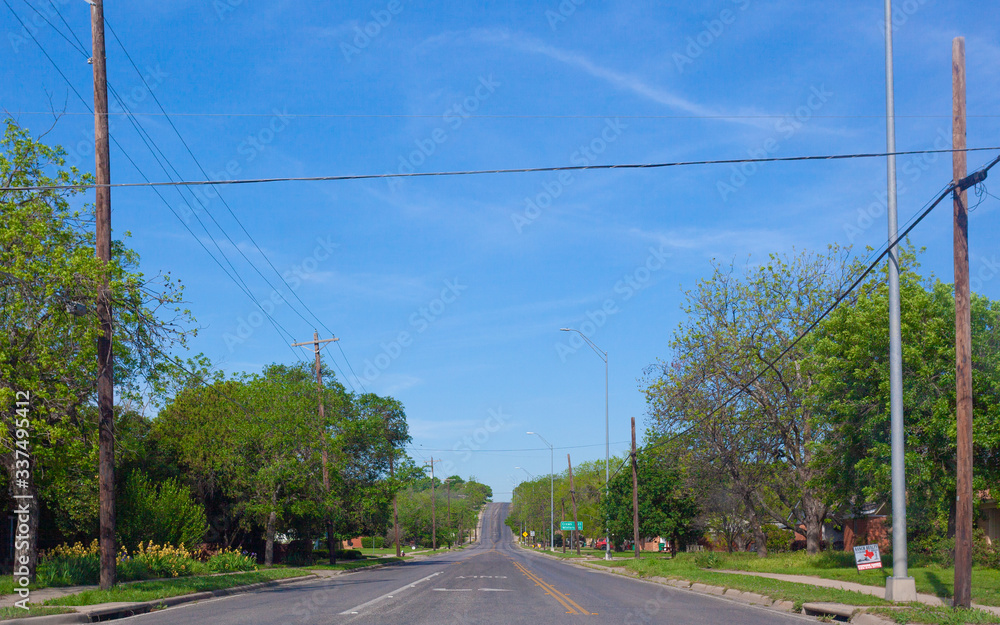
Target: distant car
column 601, row 544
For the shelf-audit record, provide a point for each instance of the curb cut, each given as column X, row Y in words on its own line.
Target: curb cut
column 132, row 609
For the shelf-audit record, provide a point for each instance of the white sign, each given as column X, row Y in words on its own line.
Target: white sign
column 532, row 533
column 867, row 557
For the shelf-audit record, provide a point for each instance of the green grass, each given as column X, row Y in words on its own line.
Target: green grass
column 9, row 613
column 839, row 565
column 936, row 615
column 684, row 567
column 148, row 591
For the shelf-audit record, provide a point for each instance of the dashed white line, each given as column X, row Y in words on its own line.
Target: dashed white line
column 388, row 595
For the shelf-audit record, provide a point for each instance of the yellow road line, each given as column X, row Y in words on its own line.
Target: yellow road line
column 571, row 606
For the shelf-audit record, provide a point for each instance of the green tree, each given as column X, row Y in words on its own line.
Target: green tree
column 764, row 439
column 851, row 398
column 666, row 506
column 48, row 331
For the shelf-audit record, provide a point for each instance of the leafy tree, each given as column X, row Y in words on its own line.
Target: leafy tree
column 667, row 508
column 765, row 437
column 851, row 398
column 48, row 332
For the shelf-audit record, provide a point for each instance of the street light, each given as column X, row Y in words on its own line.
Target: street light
column 552, row 490
column 603, row 355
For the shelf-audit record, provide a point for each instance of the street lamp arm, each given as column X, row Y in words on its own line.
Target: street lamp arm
column 547, row 443
column 603, row 355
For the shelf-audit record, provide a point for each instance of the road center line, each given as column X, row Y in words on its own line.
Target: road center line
column 388, row 595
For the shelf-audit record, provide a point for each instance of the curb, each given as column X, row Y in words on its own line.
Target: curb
column 836, row 611
column 131, row 609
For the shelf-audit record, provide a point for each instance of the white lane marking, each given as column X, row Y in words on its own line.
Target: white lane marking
column 495, row 589
column 452, row 589
column 388, row 595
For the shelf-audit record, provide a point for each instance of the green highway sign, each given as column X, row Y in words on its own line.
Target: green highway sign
column 568, row 525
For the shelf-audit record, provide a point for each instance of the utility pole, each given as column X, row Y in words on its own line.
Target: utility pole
column 325, row 456
column 572, row 493
column 635, row 494
column 448, row 482
column 562, row 505
column 434, row 538
column 963, row 336
column 899, row 587
column 105, row 358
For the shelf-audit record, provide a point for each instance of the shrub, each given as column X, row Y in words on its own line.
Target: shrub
column 165, row 514
column 366, row 542
column 151, row 561
column 778, row 540
column 77, row 565
column 69, row 566
column 349, row 554
column 707, row 560
column 232, row 560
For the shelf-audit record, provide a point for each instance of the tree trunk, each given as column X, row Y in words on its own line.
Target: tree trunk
column 759, row 539
column 269, row 538
column 26, row 519
column 814, row 517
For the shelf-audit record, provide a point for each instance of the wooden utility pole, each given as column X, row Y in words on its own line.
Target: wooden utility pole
column 434, row 538
column 635, row 495
column 325, row 454
column 963, row 337
column 448, row 482
column 105, row 358
column 562, row 505
column 572, row 494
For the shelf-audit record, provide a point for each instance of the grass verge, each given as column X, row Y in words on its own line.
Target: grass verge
column 936, row 615
column 839, row 565
column 11, row 613
column 149, row 591
column 684, row 567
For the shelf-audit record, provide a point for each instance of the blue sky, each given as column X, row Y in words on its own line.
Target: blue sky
column 448, row 293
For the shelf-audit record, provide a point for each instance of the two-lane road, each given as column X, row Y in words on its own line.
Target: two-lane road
column 490, row 582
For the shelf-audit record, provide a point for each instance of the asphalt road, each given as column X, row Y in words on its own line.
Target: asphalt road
column 490, row 582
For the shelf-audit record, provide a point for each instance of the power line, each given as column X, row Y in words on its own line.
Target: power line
column 135, row 165
column 512, row 115
column 520, row 170
column 969, row 180
column 225, row 203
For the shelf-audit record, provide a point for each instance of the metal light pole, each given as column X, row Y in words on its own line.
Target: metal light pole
column 552, row 491
column 603, row 355
column 899, row 587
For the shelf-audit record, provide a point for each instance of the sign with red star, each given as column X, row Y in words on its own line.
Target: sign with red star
column 867, row 557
